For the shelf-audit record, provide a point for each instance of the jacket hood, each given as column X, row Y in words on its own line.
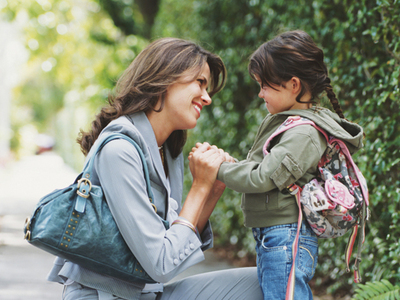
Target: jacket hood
column 349, row 132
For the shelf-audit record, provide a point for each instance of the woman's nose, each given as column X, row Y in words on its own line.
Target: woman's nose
column 205, row 97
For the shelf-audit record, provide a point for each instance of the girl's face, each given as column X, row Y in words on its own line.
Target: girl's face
column 186, row 98
column 281, row 97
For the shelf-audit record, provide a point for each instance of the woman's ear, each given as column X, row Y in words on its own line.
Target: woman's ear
column 295, row 85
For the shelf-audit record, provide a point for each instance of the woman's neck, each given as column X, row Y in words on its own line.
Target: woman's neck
column 160, row 126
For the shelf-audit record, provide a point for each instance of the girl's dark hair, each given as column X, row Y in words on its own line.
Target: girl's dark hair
column 146, row 80
column 294, row 54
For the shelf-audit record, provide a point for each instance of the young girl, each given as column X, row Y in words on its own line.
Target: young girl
column 292, row 74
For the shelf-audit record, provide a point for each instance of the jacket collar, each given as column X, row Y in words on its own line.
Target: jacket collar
column 141, row 122
column 347, row 131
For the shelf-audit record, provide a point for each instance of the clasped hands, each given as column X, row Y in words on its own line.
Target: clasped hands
column 204, row 162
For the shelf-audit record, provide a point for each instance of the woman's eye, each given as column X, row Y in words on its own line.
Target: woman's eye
column 201, row 81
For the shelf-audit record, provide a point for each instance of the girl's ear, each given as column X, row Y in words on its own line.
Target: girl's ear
column 295, row 85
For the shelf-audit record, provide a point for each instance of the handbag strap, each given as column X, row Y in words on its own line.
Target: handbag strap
column 85, row 185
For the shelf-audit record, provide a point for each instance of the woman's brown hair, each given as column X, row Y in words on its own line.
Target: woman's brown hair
column 146, row 80
column 294, row 54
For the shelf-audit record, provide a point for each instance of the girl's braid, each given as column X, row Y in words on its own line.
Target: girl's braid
column 332, row 98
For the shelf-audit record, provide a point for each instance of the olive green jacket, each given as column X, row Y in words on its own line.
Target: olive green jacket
column 293, row 157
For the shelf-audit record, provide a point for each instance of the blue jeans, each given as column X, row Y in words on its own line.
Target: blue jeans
column 274, row 260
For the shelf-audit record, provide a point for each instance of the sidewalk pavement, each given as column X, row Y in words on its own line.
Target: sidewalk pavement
column 23, row 268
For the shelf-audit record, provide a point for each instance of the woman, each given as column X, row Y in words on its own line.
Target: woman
column 158, row 98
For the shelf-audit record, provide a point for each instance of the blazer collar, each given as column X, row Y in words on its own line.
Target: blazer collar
column 142, row 123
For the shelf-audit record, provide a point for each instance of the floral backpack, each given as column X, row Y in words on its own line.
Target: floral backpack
column 332, row 203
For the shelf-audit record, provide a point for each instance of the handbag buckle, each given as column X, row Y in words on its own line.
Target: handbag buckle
column 84, row 193
column 28, row 232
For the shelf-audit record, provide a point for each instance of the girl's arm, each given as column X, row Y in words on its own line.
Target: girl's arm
column 297, row 152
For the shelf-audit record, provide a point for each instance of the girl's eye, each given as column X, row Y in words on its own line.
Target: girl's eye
column 201, row 81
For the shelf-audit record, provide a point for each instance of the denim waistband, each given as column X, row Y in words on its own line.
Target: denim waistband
column 304, row 230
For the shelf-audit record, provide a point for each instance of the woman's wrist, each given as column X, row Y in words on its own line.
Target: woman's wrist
column 186, row 223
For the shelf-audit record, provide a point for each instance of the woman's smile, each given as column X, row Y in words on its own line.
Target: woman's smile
column 198, row 107
column 186, row 99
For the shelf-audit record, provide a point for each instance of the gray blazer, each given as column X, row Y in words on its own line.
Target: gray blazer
column 118, row 169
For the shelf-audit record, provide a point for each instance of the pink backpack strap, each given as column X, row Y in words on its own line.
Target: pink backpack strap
column 294, row 189
column 291, row 122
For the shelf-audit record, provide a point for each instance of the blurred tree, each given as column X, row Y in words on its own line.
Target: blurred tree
column 76, row 55
column 132, row 16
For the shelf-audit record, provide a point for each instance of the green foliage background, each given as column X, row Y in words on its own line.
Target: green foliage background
column 360, row 38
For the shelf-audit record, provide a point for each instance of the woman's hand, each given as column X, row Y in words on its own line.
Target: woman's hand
column 217, row 188
column 228, row 158
column 204, row 163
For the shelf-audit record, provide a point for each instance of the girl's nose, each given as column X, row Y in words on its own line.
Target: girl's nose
column 263, row 93
column 205, row 97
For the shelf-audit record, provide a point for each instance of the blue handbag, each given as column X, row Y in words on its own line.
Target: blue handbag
column 75, row 223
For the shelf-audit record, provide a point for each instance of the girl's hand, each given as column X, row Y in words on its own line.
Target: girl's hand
column 228, row 158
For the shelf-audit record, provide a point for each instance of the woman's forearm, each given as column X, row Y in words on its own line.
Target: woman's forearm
column 195, row 203
column 213, row 197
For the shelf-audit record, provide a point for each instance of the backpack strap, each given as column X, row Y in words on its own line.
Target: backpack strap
column 295, row 190
column 363, row 217
column 291, row 122
column 361, row 239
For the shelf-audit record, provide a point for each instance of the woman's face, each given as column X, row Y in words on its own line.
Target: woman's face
column 186, row 98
